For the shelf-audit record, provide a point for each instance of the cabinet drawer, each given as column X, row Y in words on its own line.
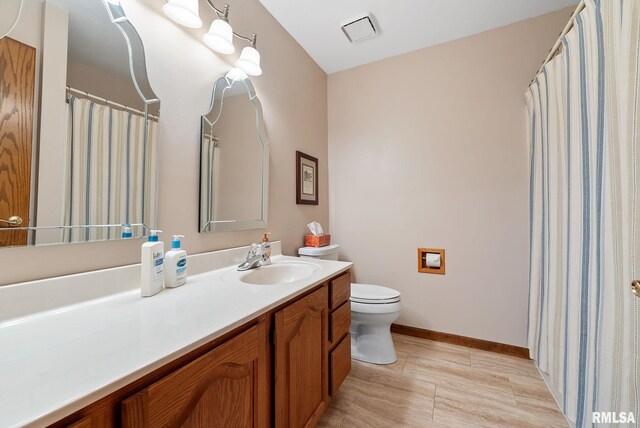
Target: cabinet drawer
column 340, row 363
column 340, row 290
column 340, row 322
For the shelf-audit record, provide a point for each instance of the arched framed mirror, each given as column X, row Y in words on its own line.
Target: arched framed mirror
column 78, row 134
column 234, row 159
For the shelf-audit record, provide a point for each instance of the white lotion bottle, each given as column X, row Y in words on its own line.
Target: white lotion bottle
column 175, row 273
column 152, row 265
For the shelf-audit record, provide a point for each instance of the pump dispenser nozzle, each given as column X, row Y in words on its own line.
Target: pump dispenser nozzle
column 175, row 244
column 153, row 235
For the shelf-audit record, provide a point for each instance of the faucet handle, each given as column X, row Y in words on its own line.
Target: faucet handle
column 266, row 253
column 253, row 248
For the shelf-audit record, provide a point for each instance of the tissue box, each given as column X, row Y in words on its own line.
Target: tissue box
column 317, row 240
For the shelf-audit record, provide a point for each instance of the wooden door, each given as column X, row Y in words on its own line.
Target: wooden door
column 17, row 79
column 226, row 387
column 301, row 367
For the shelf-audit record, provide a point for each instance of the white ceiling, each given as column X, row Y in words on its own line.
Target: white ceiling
column 404, row 25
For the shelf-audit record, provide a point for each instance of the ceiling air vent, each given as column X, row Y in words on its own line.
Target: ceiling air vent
column 359, row 29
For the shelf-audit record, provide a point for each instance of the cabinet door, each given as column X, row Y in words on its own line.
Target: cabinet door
column 301, row 368
column 226, row 387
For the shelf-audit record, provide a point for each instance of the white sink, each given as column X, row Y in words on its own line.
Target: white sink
column 278, row 273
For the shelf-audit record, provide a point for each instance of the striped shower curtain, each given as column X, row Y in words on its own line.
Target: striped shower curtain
column 110, row 175
column 583, row 112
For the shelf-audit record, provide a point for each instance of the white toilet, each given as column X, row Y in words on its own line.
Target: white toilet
column 373, row 310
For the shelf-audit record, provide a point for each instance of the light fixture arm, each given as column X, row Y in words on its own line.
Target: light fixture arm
column 251, row 40
column 224, row 15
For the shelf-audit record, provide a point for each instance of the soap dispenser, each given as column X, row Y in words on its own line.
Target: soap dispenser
column 175, row 273
column 126, row 231
column 266, row 245
column 152, row 265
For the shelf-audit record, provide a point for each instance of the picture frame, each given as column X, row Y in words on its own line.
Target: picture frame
column 306, row 179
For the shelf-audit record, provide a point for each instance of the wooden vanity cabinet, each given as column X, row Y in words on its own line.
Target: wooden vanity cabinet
column 241, row 379
column 301, row 366
column 339, row 324
column 87, row 422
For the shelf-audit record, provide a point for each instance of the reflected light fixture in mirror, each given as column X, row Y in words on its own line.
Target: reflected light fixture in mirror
column 236, row 74
column 220, row 35
column 184, row 12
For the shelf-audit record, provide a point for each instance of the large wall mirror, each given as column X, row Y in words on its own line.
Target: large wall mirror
column 234, row 159
column 78, row 124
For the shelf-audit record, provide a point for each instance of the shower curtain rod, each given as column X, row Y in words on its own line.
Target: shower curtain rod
column 110, row 103
column 556, row 48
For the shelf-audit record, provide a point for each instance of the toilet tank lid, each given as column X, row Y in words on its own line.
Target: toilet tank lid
column 319, row 251
column 372, row 292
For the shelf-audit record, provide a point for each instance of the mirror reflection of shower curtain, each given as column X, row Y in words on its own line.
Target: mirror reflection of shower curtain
column 110, row 174
column 209, row 179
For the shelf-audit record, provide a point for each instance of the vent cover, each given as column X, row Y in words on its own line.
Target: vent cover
column 359, row 29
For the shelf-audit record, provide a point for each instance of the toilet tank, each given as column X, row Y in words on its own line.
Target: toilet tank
column 329, row 252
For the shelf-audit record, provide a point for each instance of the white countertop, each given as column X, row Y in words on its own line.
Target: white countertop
column 55, row 362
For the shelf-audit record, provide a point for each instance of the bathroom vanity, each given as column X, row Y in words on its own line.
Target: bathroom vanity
column 227, row 349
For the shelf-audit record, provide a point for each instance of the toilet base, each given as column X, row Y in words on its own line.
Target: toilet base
column 364, row 360
column 371, row 340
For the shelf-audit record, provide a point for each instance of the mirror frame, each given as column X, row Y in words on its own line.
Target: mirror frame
column 139, row 74
column 206, row 223
column 140, row 80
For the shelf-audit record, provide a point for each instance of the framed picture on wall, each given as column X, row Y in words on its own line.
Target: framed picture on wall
column 306, row 179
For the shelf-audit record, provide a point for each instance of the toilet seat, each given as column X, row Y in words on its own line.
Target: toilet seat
column 373, row 294
column 368, row 308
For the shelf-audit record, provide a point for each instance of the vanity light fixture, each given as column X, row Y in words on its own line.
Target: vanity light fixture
column 249, row 60
column 184, row 12
column 220, row 35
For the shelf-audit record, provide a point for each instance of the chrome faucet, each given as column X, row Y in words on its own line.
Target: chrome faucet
column 256, row 257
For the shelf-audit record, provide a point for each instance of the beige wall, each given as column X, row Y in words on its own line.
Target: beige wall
column 182, row 71
column 10, row 9
column 428, row 149
column 103, row 84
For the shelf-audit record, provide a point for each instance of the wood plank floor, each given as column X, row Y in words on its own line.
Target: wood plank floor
column 436, row 384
